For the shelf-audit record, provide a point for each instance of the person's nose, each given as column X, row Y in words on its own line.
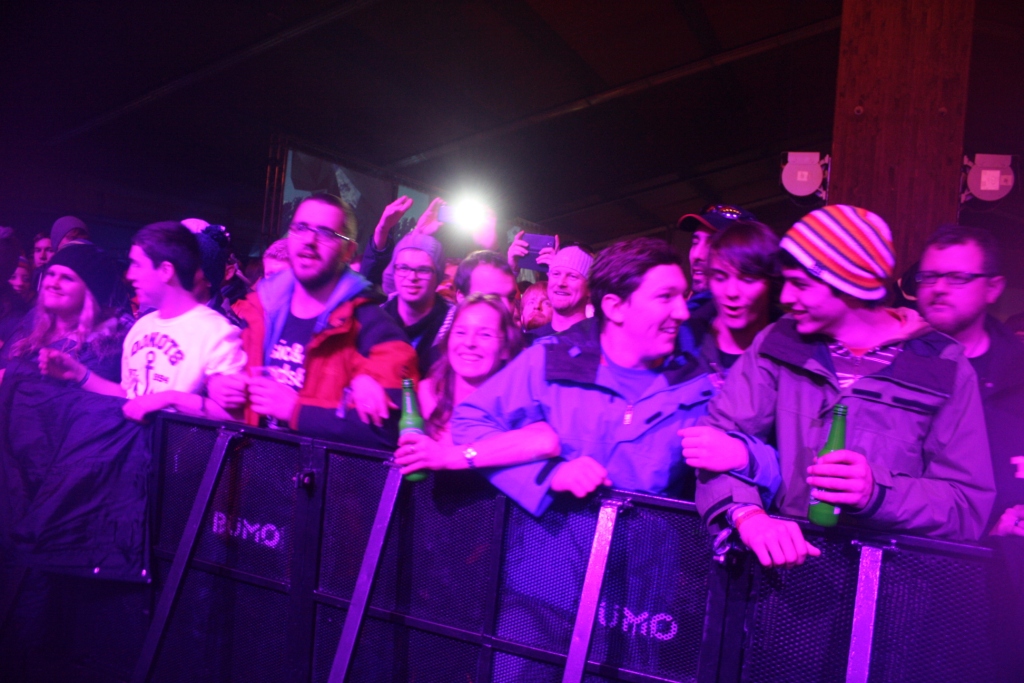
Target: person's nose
column 679, row 311
column 787, row 296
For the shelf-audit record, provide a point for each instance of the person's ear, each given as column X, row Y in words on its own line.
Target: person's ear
column 612, row 307
column 995, row 288
column 165, row 271
column 350, row 250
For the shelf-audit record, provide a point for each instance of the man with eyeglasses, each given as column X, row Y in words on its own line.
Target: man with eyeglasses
column 916, row 456
column 417, row 267
column 959, row 279
column 317, row 343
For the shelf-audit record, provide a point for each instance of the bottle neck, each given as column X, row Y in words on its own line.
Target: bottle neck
column 409, row 404
column 837, row 434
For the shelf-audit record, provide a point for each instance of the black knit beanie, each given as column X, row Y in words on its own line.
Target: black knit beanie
column 214, row 249
column 96, row 267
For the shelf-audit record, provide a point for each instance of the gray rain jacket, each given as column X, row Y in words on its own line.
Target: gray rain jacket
column 919, row 421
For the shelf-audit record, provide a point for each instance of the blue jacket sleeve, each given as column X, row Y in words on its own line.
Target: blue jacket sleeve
column 763, row 471
column 512, row 399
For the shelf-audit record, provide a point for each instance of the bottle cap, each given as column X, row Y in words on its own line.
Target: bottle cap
column 839, row 409
column 407, row 384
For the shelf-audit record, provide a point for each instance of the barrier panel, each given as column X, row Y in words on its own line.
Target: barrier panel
column 465, row 586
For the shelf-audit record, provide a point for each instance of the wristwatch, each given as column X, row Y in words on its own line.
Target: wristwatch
column 469, row 454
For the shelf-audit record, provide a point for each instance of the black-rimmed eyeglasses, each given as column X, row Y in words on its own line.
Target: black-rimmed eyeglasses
column 954, row 278
column 318, row 230
column 421, row 273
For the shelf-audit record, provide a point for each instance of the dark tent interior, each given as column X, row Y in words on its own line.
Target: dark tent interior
column 595, row 120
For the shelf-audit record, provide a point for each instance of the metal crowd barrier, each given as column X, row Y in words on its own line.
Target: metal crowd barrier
column 282, row 558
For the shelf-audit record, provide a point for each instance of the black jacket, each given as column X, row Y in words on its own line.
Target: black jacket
column 73, row 478
column 423, row 333
column 1002, row 398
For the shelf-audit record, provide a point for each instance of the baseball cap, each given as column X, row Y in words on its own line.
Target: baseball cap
column 714, row 217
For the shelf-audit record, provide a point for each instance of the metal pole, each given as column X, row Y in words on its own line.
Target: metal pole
column 186, row 547
column 584, row 627
column 859, row 663
column 364, row 583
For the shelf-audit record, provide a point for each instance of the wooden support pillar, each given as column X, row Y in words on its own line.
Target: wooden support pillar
column 901, row 100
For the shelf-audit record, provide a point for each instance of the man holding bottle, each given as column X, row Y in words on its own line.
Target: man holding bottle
column 916, row 456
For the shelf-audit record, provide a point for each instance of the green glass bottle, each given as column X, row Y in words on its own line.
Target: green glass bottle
column 821, row 513
column 411, row 422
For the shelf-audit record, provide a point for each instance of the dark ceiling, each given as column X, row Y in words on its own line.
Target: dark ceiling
column 595, row 118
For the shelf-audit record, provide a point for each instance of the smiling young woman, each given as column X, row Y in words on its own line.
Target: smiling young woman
column 482, row 339
column 72, row 314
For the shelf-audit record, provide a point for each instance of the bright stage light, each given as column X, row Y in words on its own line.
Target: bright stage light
column 469, row 214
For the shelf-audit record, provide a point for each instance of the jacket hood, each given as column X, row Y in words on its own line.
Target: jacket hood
column 275, row 295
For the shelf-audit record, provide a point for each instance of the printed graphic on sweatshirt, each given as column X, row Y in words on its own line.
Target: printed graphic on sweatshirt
column 152, row 360
column 179, row 354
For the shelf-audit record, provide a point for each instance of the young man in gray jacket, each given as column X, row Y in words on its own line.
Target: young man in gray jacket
column 916, row 456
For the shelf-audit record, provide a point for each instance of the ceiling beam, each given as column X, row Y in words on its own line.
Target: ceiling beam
column 672, row 75
column 730, row 93
column 550, row 43
column 696, row 176
column 216, row 67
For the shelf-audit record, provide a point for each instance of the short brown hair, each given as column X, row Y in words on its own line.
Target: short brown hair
column 350, row 227
column 620, row 268
column 172, row 242
column 952, row 234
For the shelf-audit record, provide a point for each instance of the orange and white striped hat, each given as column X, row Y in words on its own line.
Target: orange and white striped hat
column 848, row 247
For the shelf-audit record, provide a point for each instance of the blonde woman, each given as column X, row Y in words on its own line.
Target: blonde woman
column 482, row 339
column 72, row 316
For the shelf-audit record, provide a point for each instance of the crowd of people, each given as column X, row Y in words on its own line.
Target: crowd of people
column 712, row 380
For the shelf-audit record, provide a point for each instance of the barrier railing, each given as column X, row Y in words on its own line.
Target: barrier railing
column 310, row 560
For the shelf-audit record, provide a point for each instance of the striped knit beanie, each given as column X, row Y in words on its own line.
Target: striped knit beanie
column 847, row 247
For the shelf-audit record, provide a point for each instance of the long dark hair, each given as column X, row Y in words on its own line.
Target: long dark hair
column 444, row 376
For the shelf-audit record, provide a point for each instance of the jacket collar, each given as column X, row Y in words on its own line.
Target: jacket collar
column 575, row 356
column 275, row 295
column 920, row 364
column 810, row 352
column 434, row 317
